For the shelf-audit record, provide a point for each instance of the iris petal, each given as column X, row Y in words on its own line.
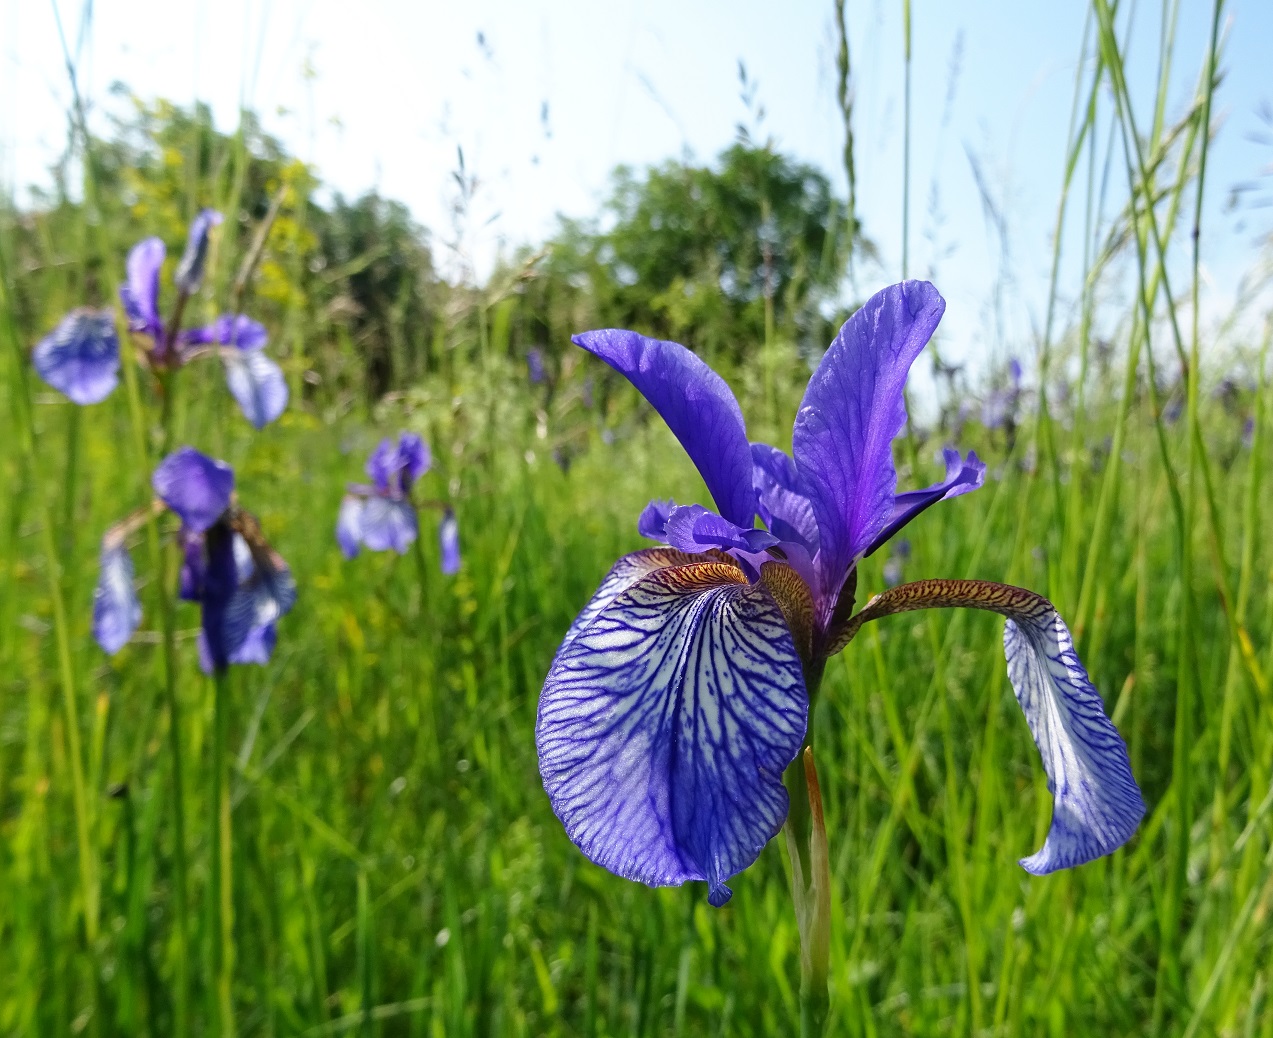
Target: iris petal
column 80, row 357
column 692, row 528
column 664, row 728
column 388, row 524
column 116, row 609
column 189, row 274
column 140, row 292
column 851, row 411
column 194, row 486
column 697, row 406
column 449, row 543
column 961, row 477
column 652, row 522
column 235, row 330
column 349, row 525
column 783, row 508
column 257, row 383
column 413, row 458
column 1096, row 802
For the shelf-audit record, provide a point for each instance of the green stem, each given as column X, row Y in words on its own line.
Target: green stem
column 220, row 847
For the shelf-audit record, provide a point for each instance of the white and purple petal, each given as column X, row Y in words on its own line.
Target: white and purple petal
column 257, row 383
column 189, row 275
column 962, row 476
column 388, row 524
column 80, row 357
column 194, row 486
column 697, row 406
column 449, row 543
column 116, row 609
column 665, row 725
column 349, row 525
column 852, row 410
column 140, row 292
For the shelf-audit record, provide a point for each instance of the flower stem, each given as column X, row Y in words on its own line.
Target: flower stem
column 220, row 847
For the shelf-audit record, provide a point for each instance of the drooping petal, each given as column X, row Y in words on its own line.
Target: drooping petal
column 246, row 590
column 623, row 574
column 257, row 648
column 388, row 524
column 116, row 609
column 189, row 274
column 414, row 458
column 961, row 477
column 80, row 357
column 194, row 486
column 258, row 384
column 697, row 406
column 237, row 330
column 692, row 528
column 449, row 543
column 1096, row 802
column 851, row 411
column 652, row 522
column 664, row 728
column 349, row 525
column 140, row 292
column 783, row 508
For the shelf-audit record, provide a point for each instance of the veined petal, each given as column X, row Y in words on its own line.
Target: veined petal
column 349, row 525
column 116, row 609
column 388, row 524
column 851, row 411
column 1096, row 802
column 257, row 383
column 140, row 292
column 194, row 486
column 783, row 508
column 665, row 726
column 692, row 528
column 652, row 522
column 449, row 543
column 697, row 406
column 80, row 357
column 190, row 271
column 961, row 477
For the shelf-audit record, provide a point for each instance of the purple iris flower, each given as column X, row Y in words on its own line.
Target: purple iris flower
column 681, row 692
column 242, row 585
column 535, row 365
column 80, row 357
column 383, row 515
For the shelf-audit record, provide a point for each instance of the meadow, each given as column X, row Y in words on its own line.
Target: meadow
column 354, row 839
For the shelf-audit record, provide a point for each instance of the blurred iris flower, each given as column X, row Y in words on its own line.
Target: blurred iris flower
column 242, row 584
column 681, row 692
column 383, row 515
column 80, row 358
column 535, row 365
column 1000, row 408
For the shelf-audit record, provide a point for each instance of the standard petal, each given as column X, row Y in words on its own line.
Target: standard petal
column 665, row 726
column 449, row 543
column 257, row 383
column 783, row 508
column 382, row 465
column 698, row 407
column 116, row 609
column 652, row 522
column 414, row 458
column 349, row 525
column 1096, row 802
column 388, row 524
column 194, row 486
column 189, row 274
column 851, row 411
column 961, row 477
column 80, row 357
column 140, row 292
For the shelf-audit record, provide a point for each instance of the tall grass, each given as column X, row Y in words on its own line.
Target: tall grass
column 354, row 839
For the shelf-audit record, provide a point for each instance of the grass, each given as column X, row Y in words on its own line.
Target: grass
column 373, row 853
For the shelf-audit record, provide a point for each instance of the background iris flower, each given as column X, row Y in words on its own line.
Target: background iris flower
column 242, row 584
column 80, row 358
column 383, row 515
column 681, row 692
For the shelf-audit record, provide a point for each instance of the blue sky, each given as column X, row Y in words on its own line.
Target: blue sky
column 555, row 94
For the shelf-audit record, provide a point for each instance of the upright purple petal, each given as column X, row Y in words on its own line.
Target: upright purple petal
column 852, row 410
column 388, row 524
column 664, row 728
column 80, row 357
column 692, row 528
column 783, row 508
column 961, row 477
column 414, row 458
column 258, row 384
column 237, row 330
column 116, row 609
column 349, row 525
column 697, row 406
column 140, row 292
column 449, row 543
column 652, row 522
column 382, row 466
column 189, row 274
column 194, row 486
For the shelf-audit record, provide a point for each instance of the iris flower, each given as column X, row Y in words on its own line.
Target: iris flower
column 242, row 584
column 80, row 357
column 681, row 692
column 383, row 515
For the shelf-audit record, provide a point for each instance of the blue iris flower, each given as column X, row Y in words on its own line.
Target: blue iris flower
column 242, row 585
column 383, row 515
column 681, row 692
column 80, row 358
